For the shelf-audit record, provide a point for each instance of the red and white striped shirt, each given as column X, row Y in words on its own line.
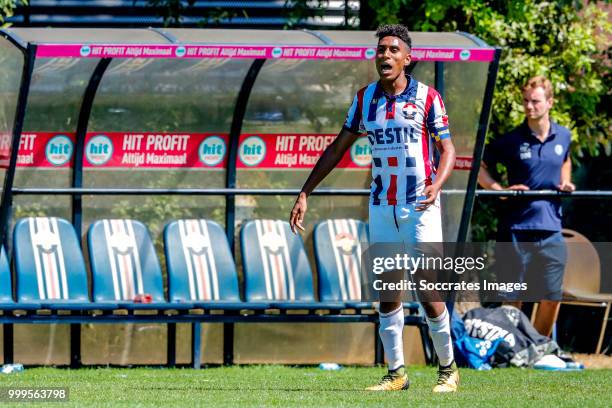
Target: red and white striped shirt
column 401, row 129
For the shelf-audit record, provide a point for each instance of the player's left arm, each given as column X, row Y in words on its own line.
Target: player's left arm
column 445, row 168
column 437, row 127
column 566, row 176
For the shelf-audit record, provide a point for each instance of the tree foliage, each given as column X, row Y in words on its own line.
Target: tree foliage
column 565, row 40
column 6, row 10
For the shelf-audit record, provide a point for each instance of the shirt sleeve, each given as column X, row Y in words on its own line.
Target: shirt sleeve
column 491, row 154
column 354, row 117
column 437, row 119
column 568, row 147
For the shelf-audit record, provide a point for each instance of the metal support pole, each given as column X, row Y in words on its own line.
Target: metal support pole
column 228, row 344
column 230, row 182
column 196, row 345
column 7, row 333
column 239, row 112
column 75, row 345
column 81, row 131
column 483, row 124
column 379, row 352
column 22, row 101
column 171, row 351
column 439, row 78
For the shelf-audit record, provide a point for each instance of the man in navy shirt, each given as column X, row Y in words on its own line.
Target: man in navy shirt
column 536, row 156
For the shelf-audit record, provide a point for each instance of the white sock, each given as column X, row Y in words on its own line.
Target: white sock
column 439, row 328
column 390, row 331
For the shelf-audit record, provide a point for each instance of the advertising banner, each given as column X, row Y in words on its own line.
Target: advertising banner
column 123, row 150
column 296, row 151
column 155, row 150
column 263, row 151
column 41, row 150
column 257, row 51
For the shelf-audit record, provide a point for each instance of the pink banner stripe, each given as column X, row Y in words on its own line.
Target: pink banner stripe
column 230, row 51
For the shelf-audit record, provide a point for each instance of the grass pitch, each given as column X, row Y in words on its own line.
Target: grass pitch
column 279, row 386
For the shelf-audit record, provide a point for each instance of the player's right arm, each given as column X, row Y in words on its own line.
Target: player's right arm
column 327, row 162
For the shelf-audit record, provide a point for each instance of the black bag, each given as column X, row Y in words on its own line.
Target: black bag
column 522, row 345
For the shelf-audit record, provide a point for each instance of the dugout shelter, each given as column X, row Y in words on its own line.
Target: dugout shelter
column 162, row 124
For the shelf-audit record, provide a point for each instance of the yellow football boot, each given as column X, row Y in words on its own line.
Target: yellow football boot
column 448, row 379
column 393, row 381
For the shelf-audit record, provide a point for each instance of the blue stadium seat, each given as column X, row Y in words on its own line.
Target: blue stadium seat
column 201, row 269
column 276, row 267
column 337, row 245
column 338, row 249
column 49, row 266
column 124, row 265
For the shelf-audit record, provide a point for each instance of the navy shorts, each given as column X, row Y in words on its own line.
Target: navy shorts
column 537, row 258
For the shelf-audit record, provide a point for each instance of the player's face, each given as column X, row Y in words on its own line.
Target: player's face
column 392, row 55
column 536, row 104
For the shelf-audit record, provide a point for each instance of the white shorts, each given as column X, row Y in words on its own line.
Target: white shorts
column 403, row 224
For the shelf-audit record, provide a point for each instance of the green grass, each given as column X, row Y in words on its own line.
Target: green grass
column 258, row 386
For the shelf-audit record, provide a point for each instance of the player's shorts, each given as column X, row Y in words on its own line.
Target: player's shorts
column 404, row 224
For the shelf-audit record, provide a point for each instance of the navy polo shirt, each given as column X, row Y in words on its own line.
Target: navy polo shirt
column 537, row 165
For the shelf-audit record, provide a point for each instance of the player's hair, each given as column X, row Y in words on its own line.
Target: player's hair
column 395, row 30
column 539, row 82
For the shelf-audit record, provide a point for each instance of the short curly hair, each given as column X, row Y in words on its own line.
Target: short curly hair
column 540, row 82
column 395, row 30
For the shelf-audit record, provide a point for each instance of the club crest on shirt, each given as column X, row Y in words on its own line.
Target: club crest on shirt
column 409, row 110
column 525, row 151
column 559, row 149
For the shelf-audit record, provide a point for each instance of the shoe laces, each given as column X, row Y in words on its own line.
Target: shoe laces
column 388, row 378
column 444, row 375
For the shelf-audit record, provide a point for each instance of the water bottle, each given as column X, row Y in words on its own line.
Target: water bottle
column 329, row 366
column 12, row 368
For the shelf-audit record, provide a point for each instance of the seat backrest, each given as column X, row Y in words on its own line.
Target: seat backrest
column 583, row 268
column 5, row 278
column 199, row 262
column 274, row 262
column 337, row 245
column 49, row 263
column 123, row 261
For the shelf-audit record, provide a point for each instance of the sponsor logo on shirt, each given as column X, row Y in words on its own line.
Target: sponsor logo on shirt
column 392, row 135
column 525, row 151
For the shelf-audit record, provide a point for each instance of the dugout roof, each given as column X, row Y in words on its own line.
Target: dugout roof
column 227, row 36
